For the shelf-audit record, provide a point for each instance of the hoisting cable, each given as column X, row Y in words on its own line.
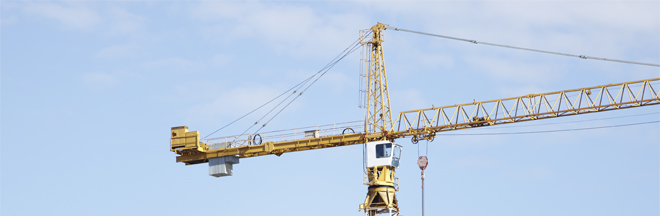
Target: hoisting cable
column 522, row 48
column 417, row 149
column 548, row 131
column 427, row 148
column 422, row 163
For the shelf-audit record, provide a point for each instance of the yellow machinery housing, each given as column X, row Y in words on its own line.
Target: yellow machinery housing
column 183, row 142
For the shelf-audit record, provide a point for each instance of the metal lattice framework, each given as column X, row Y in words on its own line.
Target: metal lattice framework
column 424, row 123
column 378, row 117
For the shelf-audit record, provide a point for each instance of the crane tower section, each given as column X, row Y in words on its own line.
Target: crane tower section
column 382, row 157
column 378, row 118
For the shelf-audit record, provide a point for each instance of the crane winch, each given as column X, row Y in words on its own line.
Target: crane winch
column 378, row 130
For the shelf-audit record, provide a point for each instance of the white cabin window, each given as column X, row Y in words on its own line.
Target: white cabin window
column 383, row 150
column 382, row 153
column 397, row 155
column 397, row 152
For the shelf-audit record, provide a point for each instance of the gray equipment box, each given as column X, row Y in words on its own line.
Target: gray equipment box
column 311, row 134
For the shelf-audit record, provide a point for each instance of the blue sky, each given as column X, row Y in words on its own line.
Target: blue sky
column 89, row 91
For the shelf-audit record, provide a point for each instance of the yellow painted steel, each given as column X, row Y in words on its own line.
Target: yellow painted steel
column 380, row 200
column 381, row 175
column 182, row 141
column 278, row 148
column 381, row 196
column 424, row 123
column 378, row 118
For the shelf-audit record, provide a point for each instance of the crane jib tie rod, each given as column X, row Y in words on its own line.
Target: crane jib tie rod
column 522, row 48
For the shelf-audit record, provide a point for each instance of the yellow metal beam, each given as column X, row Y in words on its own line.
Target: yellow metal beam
column 378, row 116
column 424, row 123
column 278, row 148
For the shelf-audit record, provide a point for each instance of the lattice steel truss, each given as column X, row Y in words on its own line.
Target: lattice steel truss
column 424, row 123
column 378, row 118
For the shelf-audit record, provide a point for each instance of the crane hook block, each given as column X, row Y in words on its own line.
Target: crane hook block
column 422, row 162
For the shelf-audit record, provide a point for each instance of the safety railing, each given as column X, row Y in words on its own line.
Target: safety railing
column 288, row 134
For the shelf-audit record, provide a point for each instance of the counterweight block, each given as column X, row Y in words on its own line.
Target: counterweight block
column 222, row 166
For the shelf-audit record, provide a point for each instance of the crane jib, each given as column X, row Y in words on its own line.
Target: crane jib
column 425, row 122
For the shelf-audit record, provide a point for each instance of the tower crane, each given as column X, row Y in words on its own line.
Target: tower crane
column 378, row 130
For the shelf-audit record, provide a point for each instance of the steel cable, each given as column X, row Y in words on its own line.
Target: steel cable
column 259, row 107
column 355, row 47
column 301, row 84
column 522, row 48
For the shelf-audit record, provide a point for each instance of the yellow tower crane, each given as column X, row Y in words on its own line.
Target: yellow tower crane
column 380, row 131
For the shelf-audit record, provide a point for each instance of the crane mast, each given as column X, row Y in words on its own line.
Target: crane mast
column 382, row 183
column 378, row 118
column 379, row 131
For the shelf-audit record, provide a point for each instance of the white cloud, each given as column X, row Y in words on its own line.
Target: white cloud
column 407, row 99
column 601, row 29
column 501, row 68
column 124, row 22
column 532, row 173
column 436, row 60
column 178, row 63
column 229, row 104
column 337, row 82
column 73, row 15
column 288, row 28
column 475, row 162
column 520, row 90
column 117, row 51
column 220, row 59
column 99, row 80
column 172, row 63
column 8, row 19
